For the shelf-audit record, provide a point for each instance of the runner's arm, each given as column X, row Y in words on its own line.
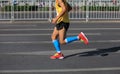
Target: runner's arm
column 69, row 7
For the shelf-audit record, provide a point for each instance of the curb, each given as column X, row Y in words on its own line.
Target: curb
column 108, row 21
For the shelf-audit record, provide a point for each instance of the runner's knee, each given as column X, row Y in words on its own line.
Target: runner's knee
column 53, row 37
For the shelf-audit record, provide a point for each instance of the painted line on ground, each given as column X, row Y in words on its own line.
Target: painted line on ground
column 62, row 70
column 31, row 29
column 42, row 42
column 45, row 34
column 18, row 25
column 66, row 52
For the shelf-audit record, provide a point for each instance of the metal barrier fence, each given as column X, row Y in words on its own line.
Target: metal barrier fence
column 44, row 9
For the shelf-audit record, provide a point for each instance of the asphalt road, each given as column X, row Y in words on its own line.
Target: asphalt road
column 25, row 48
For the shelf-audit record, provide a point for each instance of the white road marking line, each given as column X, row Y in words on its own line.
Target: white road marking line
column 42, row 42
column 44, row 34
column 108, row 41
column 62, row 70
column 94, row 28
column 26, row 42
column 18, row 25
column 52, row 29
column 66, row 52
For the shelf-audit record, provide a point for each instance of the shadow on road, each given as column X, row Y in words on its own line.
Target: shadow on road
column 101, row 52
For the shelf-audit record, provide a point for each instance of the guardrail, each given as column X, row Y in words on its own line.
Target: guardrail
column 44, row 9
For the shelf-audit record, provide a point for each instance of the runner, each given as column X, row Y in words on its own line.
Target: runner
column 61, row 22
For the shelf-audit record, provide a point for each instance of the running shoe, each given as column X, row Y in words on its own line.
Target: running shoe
column 57, row 56
column 83, row 38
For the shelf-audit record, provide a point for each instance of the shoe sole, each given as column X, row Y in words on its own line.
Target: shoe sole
column 61, row 58
column 86, row 39
column 57, row 58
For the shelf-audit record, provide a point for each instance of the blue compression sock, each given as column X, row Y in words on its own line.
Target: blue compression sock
column 71, row 39
column 57, row 45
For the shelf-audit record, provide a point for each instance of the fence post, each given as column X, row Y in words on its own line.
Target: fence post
column 50, row 9
column 87, row 10
column 12, row 10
